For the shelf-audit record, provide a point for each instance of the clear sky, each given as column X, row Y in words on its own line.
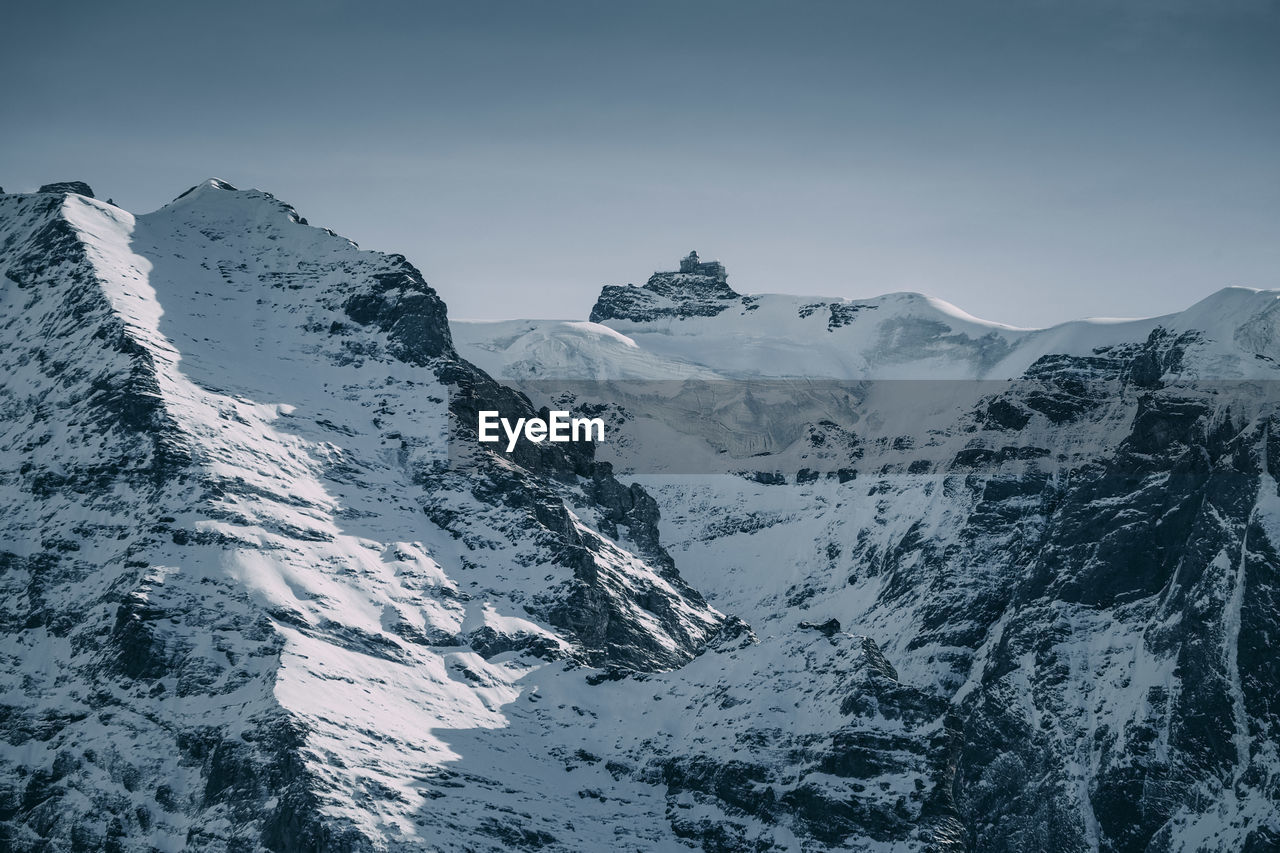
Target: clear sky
column 1030, row 161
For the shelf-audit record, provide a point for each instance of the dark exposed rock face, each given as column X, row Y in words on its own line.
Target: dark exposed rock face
column 79, row 187
column 408, row 310
column 612, row 619
column 839, row 313
column 1155, row 544
column 634, row 509
column 697, row 290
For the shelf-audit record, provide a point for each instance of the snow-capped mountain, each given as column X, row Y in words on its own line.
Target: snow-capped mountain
column 1063, row 537
column 692, row 324
column 263, row 590
column 246, row 602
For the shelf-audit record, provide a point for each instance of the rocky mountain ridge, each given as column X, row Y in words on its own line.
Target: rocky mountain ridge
column 697, row 289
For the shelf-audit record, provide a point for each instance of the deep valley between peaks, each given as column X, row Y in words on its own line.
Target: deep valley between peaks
column 292, row 562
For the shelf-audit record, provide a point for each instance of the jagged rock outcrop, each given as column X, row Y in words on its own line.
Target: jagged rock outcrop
column 697, row 289
column 78, row 187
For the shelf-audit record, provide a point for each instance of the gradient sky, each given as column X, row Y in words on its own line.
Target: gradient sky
column 1031, row 162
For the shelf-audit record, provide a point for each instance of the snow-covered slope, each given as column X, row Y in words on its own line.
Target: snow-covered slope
column 538, row 349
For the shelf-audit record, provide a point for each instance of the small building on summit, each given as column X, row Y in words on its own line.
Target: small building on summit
column 698, row 289
column 690, row 265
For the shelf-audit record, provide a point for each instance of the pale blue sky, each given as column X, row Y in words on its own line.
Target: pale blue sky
column 1031, row 162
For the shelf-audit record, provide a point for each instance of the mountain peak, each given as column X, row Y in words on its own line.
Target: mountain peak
column 78, row 187
column 206, row 186
column 215, row 198
column 696, row 289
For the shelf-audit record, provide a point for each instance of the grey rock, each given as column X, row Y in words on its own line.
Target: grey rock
column 78, row 187
column 697, row 289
